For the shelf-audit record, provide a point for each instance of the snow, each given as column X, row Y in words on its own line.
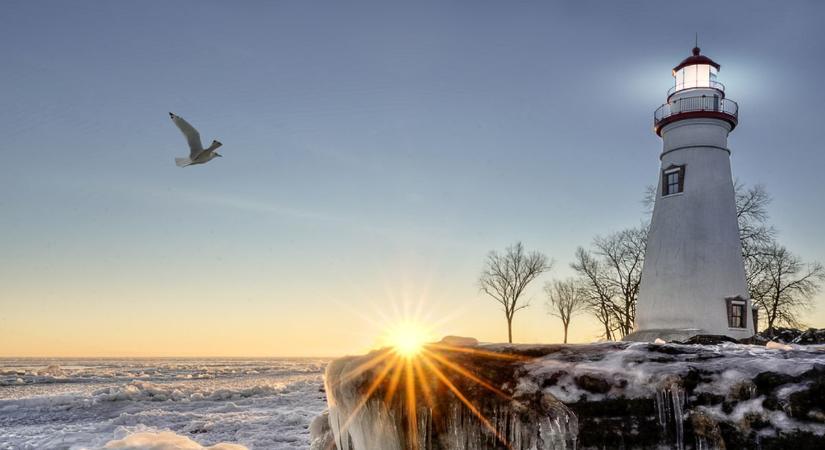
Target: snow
column 165, row 440
column 168, row 404
column 641, row 370
column 778, row 419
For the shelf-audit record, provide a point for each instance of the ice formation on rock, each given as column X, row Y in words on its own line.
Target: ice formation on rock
column 595, row 396
column 459, row 400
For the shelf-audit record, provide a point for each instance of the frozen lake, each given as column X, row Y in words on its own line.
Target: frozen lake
column 87, row 403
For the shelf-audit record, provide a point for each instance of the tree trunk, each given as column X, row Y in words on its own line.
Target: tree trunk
column 607, row 334
column 510, row 330
column 565, row 333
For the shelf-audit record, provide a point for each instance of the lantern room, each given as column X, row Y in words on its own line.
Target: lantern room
column 696, row 72
column 696, row 94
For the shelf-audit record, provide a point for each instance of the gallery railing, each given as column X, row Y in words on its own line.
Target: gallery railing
column 717, row 106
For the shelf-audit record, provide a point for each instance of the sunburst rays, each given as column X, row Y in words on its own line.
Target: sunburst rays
column 412, row 380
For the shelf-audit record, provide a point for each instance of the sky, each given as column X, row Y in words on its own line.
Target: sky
column 374, row 153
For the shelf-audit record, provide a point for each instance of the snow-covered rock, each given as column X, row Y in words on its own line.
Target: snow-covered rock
column 811, row 336
column 320, row 433
column 459, row 341
column 605, row 395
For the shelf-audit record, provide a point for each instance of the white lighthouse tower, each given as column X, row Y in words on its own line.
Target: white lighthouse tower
column 693, row 280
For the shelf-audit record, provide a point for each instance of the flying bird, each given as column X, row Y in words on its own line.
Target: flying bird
column 197, row 154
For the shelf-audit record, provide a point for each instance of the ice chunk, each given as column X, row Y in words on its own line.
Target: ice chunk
column 165, row 440
column 777, row 346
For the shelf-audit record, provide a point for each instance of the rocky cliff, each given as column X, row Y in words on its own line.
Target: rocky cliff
column 599, row 396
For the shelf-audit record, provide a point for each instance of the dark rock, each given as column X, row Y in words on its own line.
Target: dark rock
column 799, row 440
column 766, row 382
column 592, row 384
column 756, row 339
column 707, row 431
column 708, row 339
column 811, row 336
column 694, row 377
column 642, row 399
column 744, row 390
column 772, row 404
column 756, row 421
column 617, row 423
column 733, row 436
column 670, row 349
column 782, row 335
column 816, row 374
column 691, row 380
column 553, row 379
column 812, row 398
column 708, row 399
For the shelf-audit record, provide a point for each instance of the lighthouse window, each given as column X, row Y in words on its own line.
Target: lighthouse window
column 673, row 180
column 737, row 316
column 736, row 312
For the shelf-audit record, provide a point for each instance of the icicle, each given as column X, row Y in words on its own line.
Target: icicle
column 662, row 409
column 678, row 397
column 670, row 404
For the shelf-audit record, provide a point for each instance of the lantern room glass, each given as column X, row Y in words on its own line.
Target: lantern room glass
column 695, row 76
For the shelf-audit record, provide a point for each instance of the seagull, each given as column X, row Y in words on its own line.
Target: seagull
column 197, row 154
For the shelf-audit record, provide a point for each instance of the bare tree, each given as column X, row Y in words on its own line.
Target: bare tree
column 564, row 299
column 752, row 215
column 598, row 295
column 612, row 274
column 623, row 254
column 785, row 286
column 506, row 276
column 649, row 198
column 755, row 235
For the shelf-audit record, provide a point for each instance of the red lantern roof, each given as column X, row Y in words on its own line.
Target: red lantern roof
column 696, row 58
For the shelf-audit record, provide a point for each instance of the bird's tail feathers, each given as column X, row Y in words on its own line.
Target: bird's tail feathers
column 183, row 162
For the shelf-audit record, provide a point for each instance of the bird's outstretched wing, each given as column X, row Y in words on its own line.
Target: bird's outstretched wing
column 191, row 134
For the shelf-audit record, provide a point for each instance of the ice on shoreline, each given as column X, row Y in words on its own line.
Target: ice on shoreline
column 259, row 404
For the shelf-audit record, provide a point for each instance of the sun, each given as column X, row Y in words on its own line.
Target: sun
column 408, row 338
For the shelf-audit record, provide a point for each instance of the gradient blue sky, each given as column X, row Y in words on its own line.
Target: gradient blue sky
column 374, row 153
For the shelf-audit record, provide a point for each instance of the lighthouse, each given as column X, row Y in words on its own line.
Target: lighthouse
column 693, row 280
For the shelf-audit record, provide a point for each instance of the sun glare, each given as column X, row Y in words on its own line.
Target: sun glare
column 408, row 338
column 412, row 367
